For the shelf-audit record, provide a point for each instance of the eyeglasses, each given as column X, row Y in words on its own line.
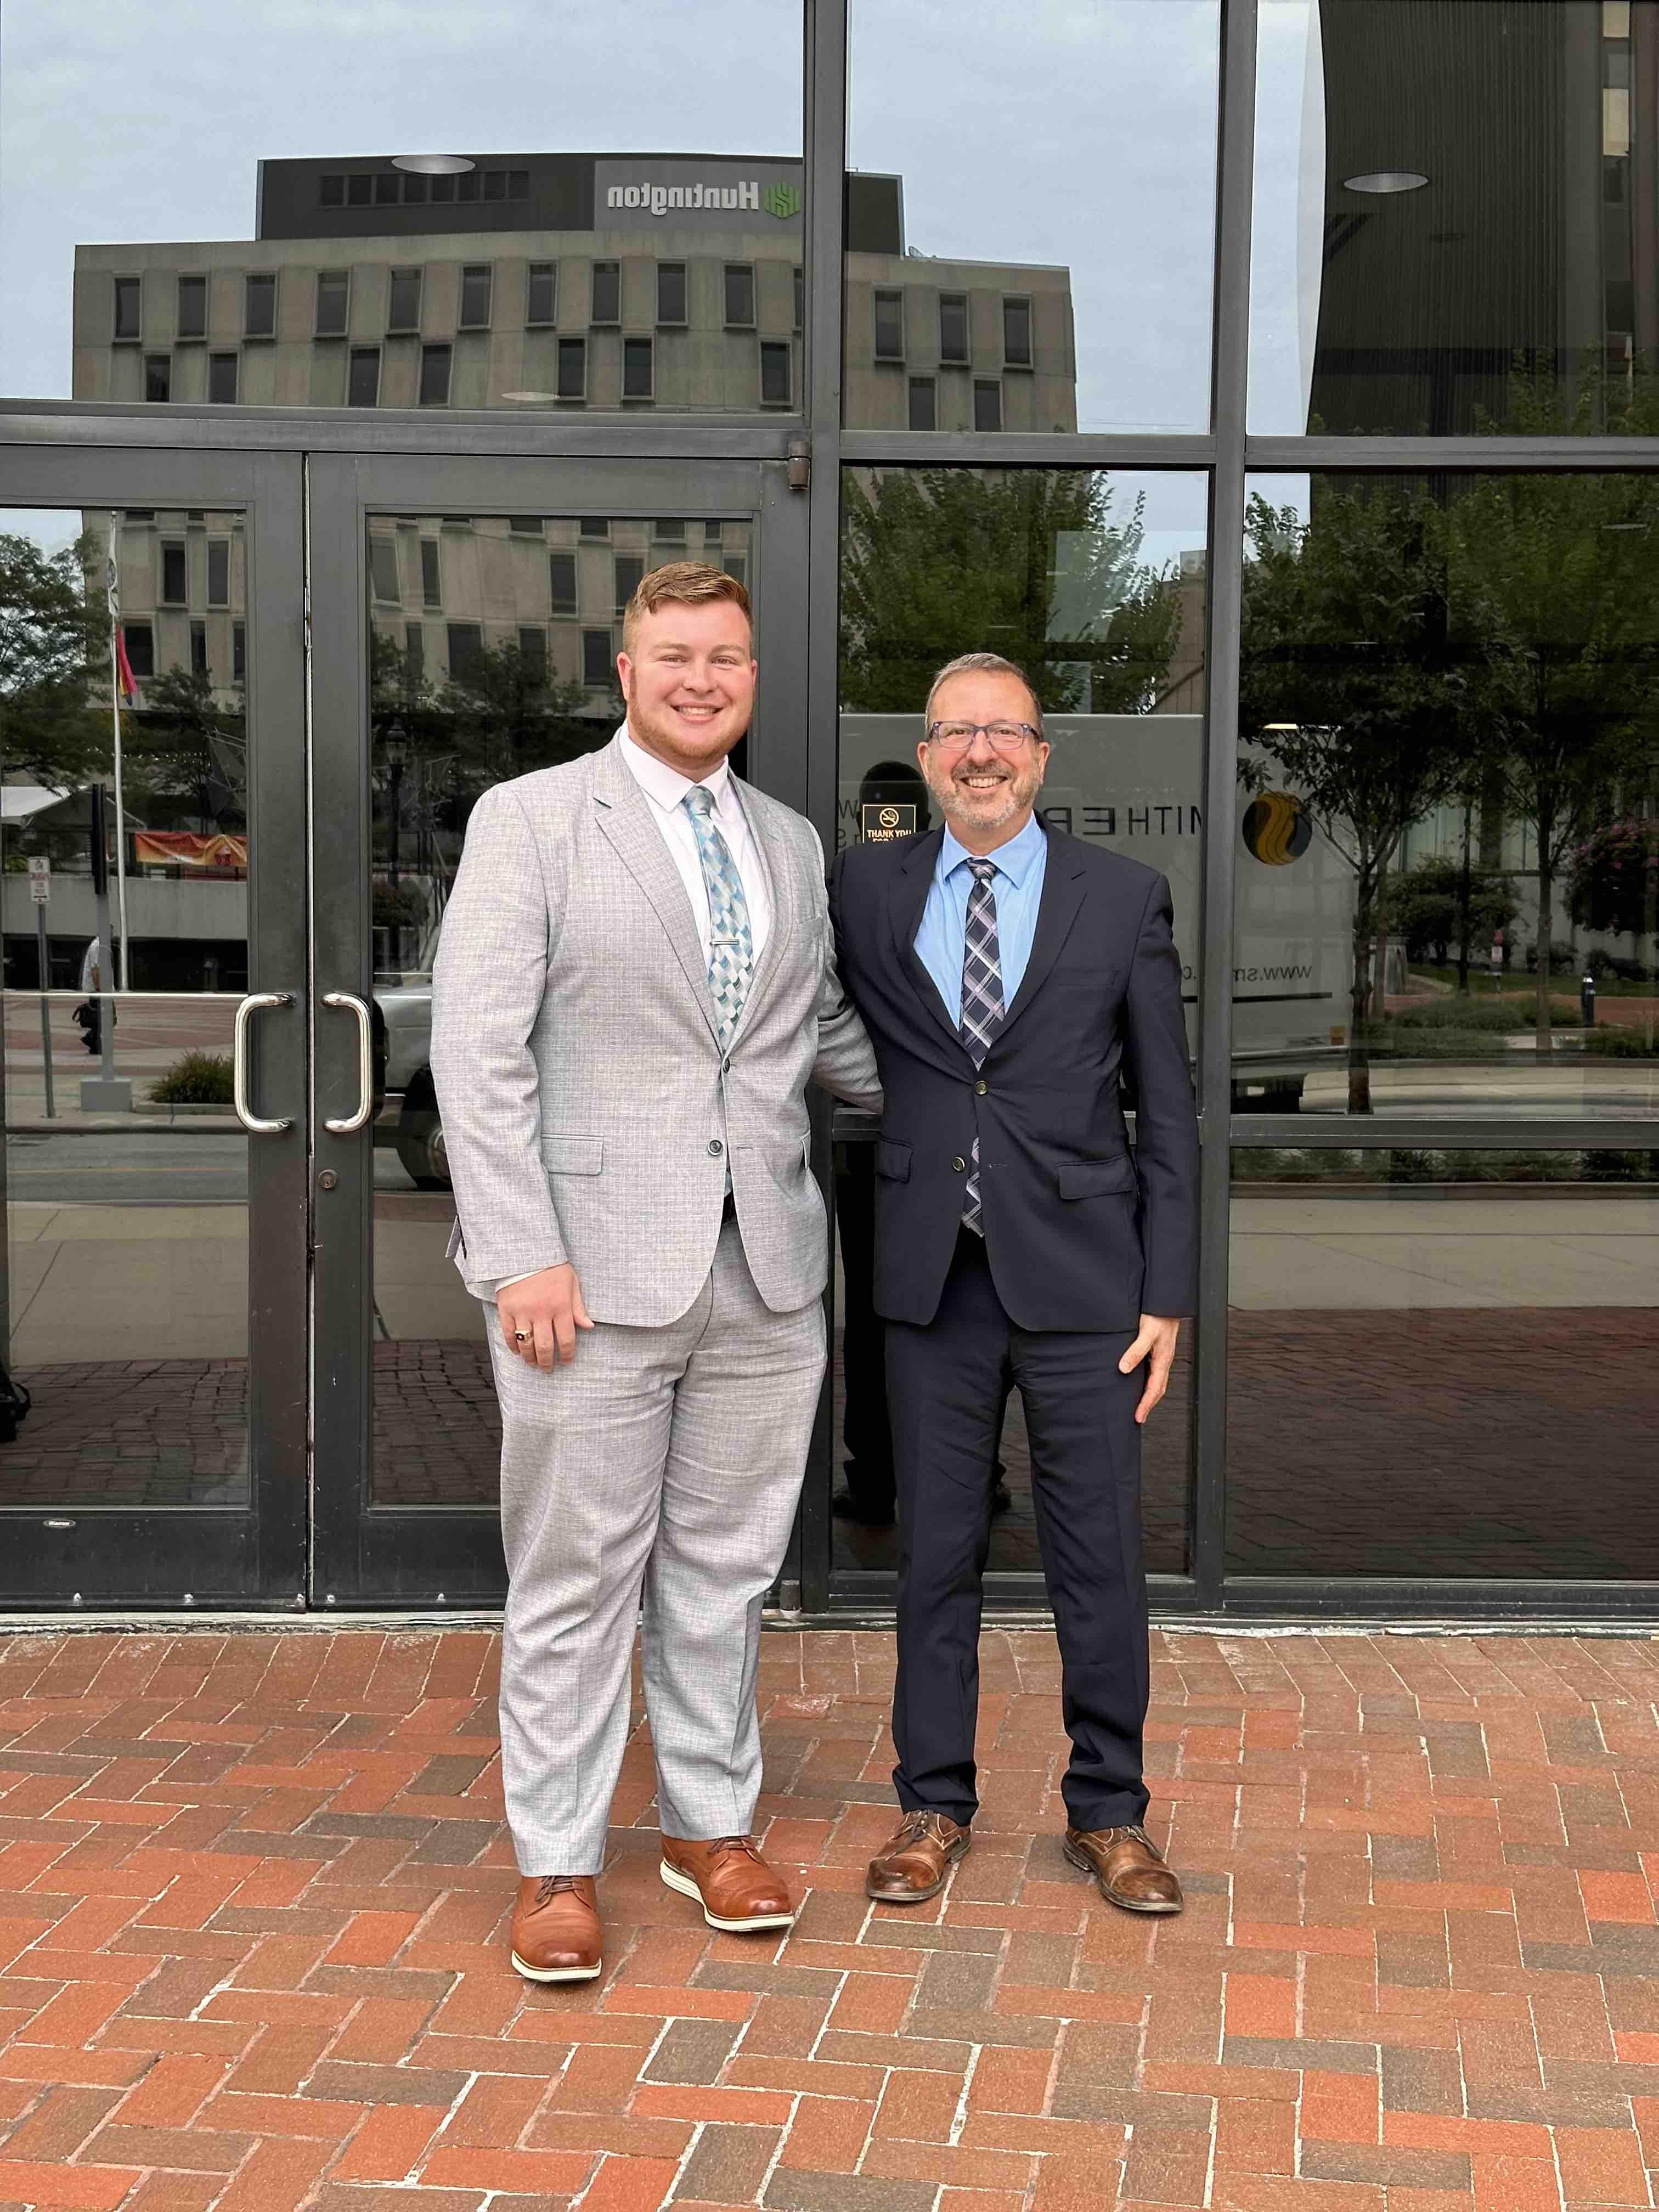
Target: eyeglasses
column 957, row 736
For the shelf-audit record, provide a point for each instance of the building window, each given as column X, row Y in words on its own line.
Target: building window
column 331, row 191
column 158, row 376
column 218, row 572
column 593, row 525
column 363, row 382
column 629, row 570
column 571, row 382
column 402, row 311
column 740, row 297
column 435, row 376
column 669, row 533
column 533, row 650
column 597, row 669
column 192, row 306
column 671, row 292
column 386, row 190
column 525, row 525
column 465, row 650
column 431, row 588
column 334, row 294
column 890, row 326
column 924, row 403
column 198, row 659
column 129, row 307
column 414, row 190
column 637, row 382
column 360, row 191
column 736, row 565
column 800, row 299
column 139, row 639
column 173, row 590
column 383, row 568
column 443, row 191
column 414, row 655
column 711, row 533
column 221, row 379
column 540, row 301
column 561, row 583
column 237, row 653
column 1017, row 333
column 988, row 404
column 607, row 292
column 477, row 282
column 775, row 372
column 259, row 307
column 953, row 326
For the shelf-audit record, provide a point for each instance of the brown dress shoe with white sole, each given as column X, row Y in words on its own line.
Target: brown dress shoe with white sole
column 556, row 1928
column 1129, row 1866
column 737, row 1891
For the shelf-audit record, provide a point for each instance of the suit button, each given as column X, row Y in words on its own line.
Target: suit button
column 980, row 1088
column 959, row 1165
column 715, row 1148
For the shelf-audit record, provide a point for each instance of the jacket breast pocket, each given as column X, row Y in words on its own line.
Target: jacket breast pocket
column 573, row 1156
column 892, row 1160
column 1113, row 1178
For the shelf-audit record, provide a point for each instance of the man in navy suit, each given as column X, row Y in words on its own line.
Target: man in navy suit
column 1013, row 979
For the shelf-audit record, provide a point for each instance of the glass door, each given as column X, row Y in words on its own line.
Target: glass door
column 466, row 620
column 153, row 1296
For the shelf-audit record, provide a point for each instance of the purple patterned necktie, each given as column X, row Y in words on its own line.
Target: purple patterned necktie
column 982, row 1002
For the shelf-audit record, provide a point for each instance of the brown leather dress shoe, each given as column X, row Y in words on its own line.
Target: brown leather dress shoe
column 737, row 1889
column 556, row 1928
column 912, row 1864
column 1129, row 1866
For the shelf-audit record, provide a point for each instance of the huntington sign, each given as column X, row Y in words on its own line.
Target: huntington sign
column 636, row 194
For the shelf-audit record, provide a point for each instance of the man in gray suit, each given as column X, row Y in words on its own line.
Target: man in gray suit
column 636, row 984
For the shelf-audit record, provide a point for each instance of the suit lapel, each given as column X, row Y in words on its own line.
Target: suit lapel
column 1057, row 909
column 623, row 814
column 908, row 896
column 772, row 851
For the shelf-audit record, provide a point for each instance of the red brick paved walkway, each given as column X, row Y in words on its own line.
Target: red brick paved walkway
column 253, row 1890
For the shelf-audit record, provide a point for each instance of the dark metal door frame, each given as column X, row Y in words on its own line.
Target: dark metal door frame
column 194, row 1557
column 450, row 1556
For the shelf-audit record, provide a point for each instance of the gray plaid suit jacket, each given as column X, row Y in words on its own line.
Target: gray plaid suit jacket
column 589, row 1111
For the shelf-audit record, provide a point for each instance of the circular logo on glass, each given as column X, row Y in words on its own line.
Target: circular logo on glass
column 1276, row 829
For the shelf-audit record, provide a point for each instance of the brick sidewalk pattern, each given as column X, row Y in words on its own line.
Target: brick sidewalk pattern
column 254, row 1890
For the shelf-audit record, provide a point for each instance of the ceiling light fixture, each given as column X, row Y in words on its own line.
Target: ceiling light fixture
column 433, row 165
column 1386, row 180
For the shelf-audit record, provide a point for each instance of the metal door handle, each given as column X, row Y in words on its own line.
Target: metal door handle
column 257, row 1124
column 353, row 1122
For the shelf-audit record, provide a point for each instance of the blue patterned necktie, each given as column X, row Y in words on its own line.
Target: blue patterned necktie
column 982, row 1002
column 731, row 946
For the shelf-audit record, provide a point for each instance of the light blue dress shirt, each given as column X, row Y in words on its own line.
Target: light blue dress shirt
column 1018, row 888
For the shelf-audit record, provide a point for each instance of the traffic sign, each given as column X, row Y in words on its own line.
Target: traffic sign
column 40, row 877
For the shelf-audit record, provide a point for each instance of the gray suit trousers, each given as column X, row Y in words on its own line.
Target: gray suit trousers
column 663, row 1466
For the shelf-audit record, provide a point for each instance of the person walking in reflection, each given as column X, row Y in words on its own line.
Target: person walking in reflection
column 635, row 985
column 1012, row 978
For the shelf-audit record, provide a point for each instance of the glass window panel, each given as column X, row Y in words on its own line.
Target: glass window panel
column 669, row 531
column 404, row 300
column 607, row 292
column 671, row 292
column 740, row 297
column 221, row 379
column 1429, row 1351
column 158, row 376
column 541, row 292
column 889, row 325
column 988, row 405
column 192, row 306
column 924, row 403
column 476, row 282
column 1450, row 233
column 259, row 307
column 1017, row 333
column 128, row 307
column 631, row 568
column 596, row 657
column 1122, row 94
column 775, row 358
column 599, row 525
column 218, row 572
column 573, row 368
column 124, row 1275
column 238, row 652
column 364, row 388
column 383, row 566
column 561, row 582
column 1095, row 584
column 1448, row 798
column 637, row 356
column 435, row 376
column 431, row 586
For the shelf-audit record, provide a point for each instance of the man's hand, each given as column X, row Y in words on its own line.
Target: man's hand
column 1156, row 1344
column 548, row 1308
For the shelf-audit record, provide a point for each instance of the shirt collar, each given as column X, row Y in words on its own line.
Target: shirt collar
column 666, row 785
column 1014, row 860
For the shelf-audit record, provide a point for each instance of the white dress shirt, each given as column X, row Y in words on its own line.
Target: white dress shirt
column 665, row 789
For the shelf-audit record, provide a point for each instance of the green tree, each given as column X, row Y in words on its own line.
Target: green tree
column 1424, row 905
column 1352, row 692
column 185, row 746
column 1555, row 575
column 503, row 714
column 53, row 655
column 1024, row 562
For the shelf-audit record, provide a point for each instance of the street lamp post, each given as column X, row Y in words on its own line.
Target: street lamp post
column 396, row 740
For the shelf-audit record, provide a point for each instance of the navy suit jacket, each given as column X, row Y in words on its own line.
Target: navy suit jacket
column 1080, row 1233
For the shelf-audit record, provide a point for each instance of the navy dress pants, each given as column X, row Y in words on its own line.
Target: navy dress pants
column 947, row 1384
